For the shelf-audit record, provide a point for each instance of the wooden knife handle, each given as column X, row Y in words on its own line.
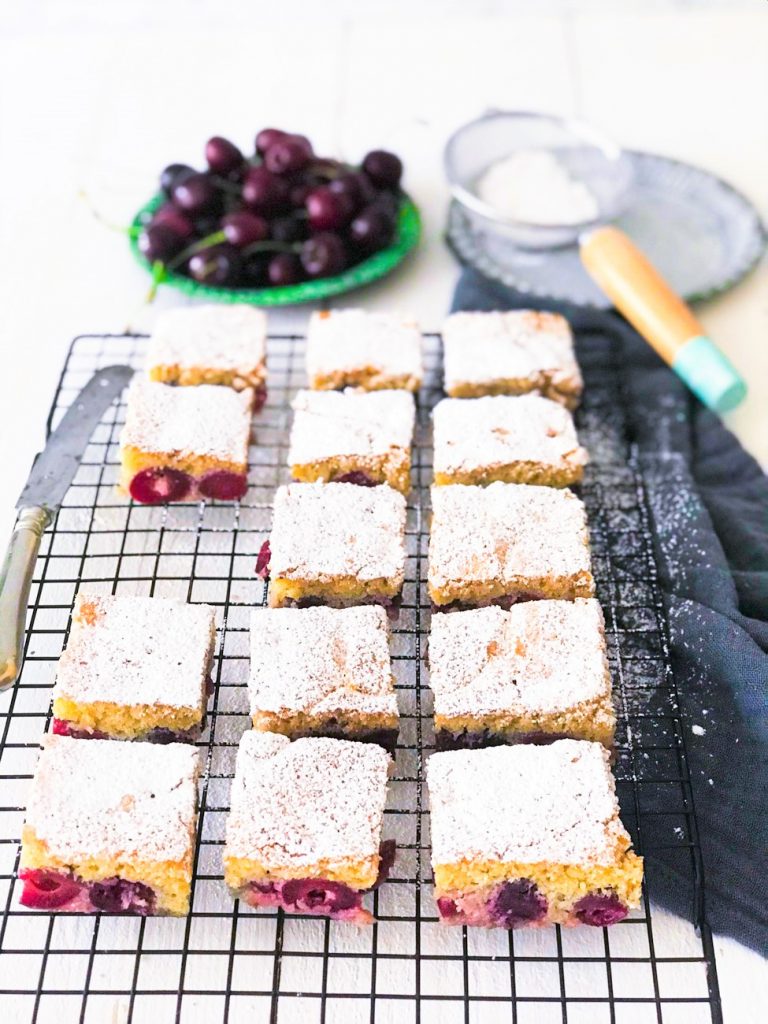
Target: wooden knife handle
column 15, row 581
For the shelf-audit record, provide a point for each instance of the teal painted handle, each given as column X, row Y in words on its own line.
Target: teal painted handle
column 709, row 374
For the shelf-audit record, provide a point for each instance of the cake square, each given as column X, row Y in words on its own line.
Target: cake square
column 530, row 835
column 183, row 444
column 304, row 829
column 135, row 668
column 523, row 440
column 510, row 353
column 360, row 437
column 536, row 672
column 323, row 672
column 506, row 542
column 354, row 348
column 211, row 345
column 110, row 827
column 335, row 544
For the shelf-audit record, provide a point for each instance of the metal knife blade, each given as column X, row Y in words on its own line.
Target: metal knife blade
column 55, row 467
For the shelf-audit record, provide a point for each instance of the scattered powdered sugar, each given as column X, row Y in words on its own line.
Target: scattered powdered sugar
column 137, row 650
column 95, row 799
column 330, row 530
column 214, row 337
column 295, row 803
column 698, row 730
column 525, row 803
column 480, row 348
column 349, row 340
column 505, row 531
column 471, row 433
column 540, row 656
column 332, row 423
column 321, row 660
column 188, row 421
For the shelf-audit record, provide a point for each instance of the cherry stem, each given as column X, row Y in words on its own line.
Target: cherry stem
column 255, row 247
column 158, row 274
column 132, row 231
column 199, row 246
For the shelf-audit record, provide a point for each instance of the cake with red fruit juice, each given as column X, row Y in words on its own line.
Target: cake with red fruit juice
column 304, row 829
column 530, row 835
column 110, row 827
column 323, row 672
column 183, row 444
column 510, row 353
column 505, row 543
column 518, row 440
column 353, row 436
column 135, row 668
column 211, row 345
column 336, row 545
column 535, row 673
column 354, row 348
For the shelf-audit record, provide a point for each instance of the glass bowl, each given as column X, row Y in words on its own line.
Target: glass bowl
column 586, row 155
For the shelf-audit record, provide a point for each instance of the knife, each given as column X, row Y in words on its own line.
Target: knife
column 52, row 472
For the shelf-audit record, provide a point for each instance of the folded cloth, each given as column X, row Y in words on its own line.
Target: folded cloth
column 709, row 505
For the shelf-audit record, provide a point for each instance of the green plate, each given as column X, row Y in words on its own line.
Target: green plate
column 376, row 266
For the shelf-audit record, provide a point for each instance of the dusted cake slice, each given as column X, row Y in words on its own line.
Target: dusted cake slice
column 352, row 436
column 110, row 827
column 334, row 544
column 134, row 668
column 511, row 353
column 304, row 829
column 323, row 672
column 181, row 444
column 211, row 345
column 530, row 835
column 537, row 672
column 507, row 542
column 525, row 440
column 353, row 348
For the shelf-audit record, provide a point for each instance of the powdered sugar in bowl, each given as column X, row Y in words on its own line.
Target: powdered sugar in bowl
column 537, row 179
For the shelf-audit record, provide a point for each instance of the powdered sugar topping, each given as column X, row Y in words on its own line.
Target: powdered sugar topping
column 505, row 531
column 188, row 421
column 137, row 650
column 294, row 804
column 480, row 348
column 364, row 423
column 348, row 340
column 231, row 338
column 321, row 660
column 525, row 804
column 324, row 531
column 540, row 656
column 472, row 433
column 96, row 799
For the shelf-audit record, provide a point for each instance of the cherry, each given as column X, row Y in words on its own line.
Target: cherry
column 287, row 155
column 222, row 155
column 371, row 230
column 267, row 137
column 284, row 268
column 518, row 902
column 174, row 219
column 323, row 255
column 328, row 210
column 47, row 890
column 243, row 228
column 600, row 909
column 319, row 895
column 223, row 485
column 355, row 476
column 387, row 854
column 155, row 486
column 447, row 907
column 264, row 192
column 383, row 168
column 116, row 895
column 217, row 264
column 159, row 242
column 195, row 194
column 259, row 398
column 172, row 175
column 262, row 560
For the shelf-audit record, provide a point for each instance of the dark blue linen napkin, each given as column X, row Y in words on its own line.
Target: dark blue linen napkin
column 709, row 503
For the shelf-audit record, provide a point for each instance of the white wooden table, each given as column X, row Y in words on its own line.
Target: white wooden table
column 100, row 98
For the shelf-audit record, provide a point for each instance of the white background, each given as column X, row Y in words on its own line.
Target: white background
column 98, row 97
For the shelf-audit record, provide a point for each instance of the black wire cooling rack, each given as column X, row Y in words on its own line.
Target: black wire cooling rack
column 227, row 962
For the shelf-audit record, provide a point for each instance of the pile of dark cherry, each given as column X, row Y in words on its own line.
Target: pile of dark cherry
column 281, row 216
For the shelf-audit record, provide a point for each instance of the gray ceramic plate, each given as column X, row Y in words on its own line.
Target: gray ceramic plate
column 701, row 233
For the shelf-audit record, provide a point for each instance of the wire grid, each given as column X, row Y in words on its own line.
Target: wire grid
column 226, row 961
